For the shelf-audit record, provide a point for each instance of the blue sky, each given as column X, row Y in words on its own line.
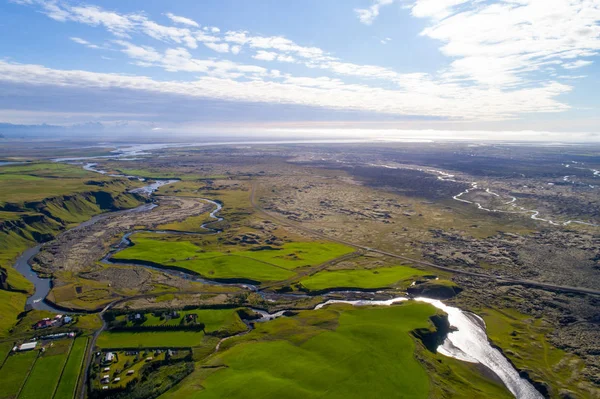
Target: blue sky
column 303, row 66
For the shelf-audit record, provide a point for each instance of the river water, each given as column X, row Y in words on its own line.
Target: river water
column 469, row 342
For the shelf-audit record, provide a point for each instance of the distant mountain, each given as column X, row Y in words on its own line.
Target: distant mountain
column 8, row 130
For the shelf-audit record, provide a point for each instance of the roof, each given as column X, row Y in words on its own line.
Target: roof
column 28, row 346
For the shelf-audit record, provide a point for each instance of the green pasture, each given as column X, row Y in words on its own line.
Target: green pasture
column 169, row 339
column 257, row 265
column 70, row 376
column 5, row 348
column 213, row 319
column 336, row 352
column 361, row 278
column 14, row 372
column 317, row 355
column 44, row 377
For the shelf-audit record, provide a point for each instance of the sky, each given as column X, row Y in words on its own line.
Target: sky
column 507, row 68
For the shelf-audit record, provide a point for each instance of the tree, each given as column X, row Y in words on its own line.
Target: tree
column 202, row 326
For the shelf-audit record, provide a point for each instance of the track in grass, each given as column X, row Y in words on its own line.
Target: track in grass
column 14, row 372
column 70, row 374
column 44, row 376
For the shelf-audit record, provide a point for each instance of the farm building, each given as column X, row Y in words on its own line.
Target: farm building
column 28, row 346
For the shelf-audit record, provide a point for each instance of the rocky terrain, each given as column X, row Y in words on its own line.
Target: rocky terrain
column 78, row 250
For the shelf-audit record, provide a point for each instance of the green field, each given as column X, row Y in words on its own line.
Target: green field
column 14, row 372
column 364, row 278
column 337, row 352
column 19, row 183
column 5, row 348
column 256, row 265
column 298, row 254
column 160, row 339
column 70, row 375
column 213, row 319
column 11, row 304
column 44, row 377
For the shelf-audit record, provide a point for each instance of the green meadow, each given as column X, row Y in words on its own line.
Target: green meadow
column 43, row 379
column 5, row 348
column 360, row 278
column 335, row 352
column 213, row 319
column 171, row 339
column 70, row 374
column 14, row 372
column 256, row 265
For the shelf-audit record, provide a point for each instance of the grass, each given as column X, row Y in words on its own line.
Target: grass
column 213, row 319
column 259, row 265
column 298, row 254
column 337, row 352
column 5, row 349
column 132, row 362
column 192, row 224
column 11, row 304
column 363, row 279
column 44, row 377
column 14, row 372
column 523, row 340
column 148, row 383
column 175, row 339
column 70, row 375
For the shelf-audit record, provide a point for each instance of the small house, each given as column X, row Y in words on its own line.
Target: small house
column 117, row 380
column 106, row 369
column 130, row 372
column 109, row 357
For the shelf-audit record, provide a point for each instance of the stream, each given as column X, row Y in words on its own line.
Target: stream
column 444, row 176
column 469, row 342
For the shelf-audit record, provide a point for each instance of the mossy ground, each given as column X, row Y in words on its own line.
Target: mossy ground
column 523, row 340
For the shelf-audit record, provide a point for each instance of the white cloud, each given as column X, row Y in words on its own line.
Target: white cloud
column 182, row 20
column 576, row 64
column 84, row 42
column 368, row 15
column 437, row 9
column 142, row 53
column 278, row 43
column 502, row 43
column 264, row 55
column 285, row 58
column 503, row 58
column 473, row 103
column 218, row 47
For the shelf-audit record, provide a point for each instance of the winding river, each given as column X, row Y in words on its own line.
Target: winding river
column 535, row 214
column 468, row 342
